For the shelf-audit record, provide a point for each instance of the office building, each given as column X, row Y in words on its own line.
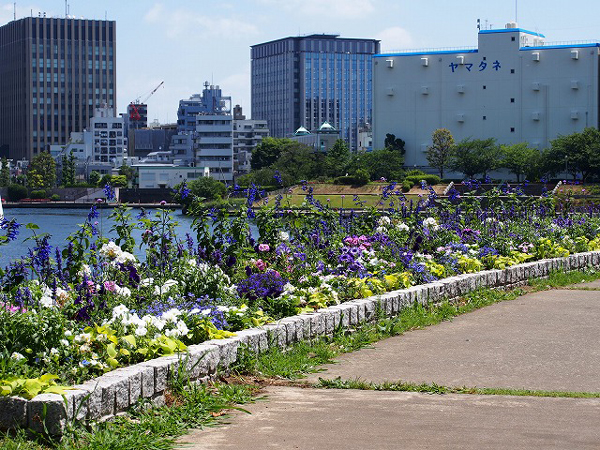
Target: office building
column 307, row 80
column 247, row 135
column 53, row 73
column 205, row 133
column 514, row 87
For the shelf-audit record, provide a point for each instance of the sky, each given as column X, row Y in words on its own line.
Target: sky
column 185, row 42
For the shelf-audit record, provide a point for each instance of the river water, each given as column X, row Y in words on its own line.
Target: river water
column 60, row 223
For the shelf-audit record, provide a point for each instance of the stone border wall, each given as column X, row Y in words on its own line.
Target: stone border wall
column 114, row 392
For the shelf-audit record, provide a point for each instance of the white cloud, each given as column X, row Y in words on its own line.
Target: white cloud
column 347, row 9
column 395, row 38
column 181, row 22
column 7, row 12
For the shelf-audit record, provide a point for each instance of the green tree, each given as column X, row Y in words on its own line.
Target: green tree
column 267, row 152
column 95, row 178
column 337, row 159
column 384, row 163
column 68, row 169
column 577, row 153
column 207, row 188
column 298, row 161
column 475, row 156
column 439, row 153
column 128, row 172
column 520, row 159
column 4, row 173
column 42, row 171
column 393, row 143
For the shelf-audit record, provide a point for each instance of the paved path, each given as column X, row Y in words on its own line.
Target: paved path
column 543, row 341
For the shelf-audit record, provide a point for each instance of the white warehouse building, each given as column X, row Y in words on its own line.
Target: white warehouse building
column 513, row 86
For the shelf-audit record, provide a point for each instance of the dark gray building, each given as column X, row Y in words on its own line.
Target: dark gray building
column 307, row 80
column 53, row 73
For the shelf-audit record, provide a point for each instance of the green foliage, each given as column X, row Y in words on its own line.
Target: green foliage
column 520, row 159
column 439, row 153
column 38, row 194
column 337, row 159
column 298, row 162
column 428, row 178
column 30, row 387
column 42, row 171
column 94, row 178
column 394, row 144
column 207, row 188
column 4, row 173
column 55, row 197
column 268, row 152
column 384, row 163
column 16, row 192
column 129, row 173
column 360, row 178
column 475, row 156
column 414, row 172
column 68, row 170
column 578, row 153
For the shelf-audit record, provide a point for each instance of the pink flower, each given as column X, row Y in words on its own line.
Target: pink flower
column 261, row 265
column 263, row 247
column 110, row 286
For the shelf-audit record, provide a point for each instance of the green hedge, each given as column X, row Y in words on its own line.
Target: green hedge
column 17, row 192
column 416, row 179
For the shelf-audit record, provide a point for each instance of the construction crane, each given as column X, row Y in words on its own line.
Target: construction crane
column 134, row 113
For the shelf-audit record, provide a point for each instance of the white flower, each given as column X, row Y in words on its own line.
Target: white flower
column 85, row 270
column 171, row 315
column 64, row 342
column 384, row 221
column 402, row 227
column 182, row 328
column 141, row 331
column 123, row 257
column 17, row 356
column 124, row 291
column 46, row 302
column 192, row 262
column 120, row 311
column 284, row 236
column 146, row 282
column 380, row 230
column 165, row 287
column 431, row 224
column 53, row 351
column 68, row 333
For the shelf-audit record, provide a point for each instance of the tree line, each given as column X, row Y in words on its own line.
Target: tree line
column 577, row 154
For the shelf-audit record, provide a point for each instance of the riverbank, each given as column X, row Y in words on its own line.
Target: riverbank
column 86, row 205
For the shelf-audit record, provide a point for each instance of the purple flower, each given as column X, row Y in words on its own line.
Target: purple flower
column 109, row 192
column 263, row 247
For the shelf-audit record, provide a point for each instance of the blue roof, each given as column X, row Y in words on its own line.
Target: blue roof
column 511, row 30
column 550, row 47
column 435, row 52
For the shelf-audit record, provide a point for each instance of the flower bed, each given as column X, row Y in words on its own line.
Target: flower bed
column 94, row 309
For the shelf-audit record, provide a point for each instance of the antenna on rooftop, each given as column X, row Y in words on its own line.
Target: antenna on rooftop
column 479, row 24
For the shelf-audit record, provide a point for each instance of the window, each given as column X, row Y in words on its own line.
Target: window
column 512, row 39
column 512, row 70
column 512, row 100
column 512, row 129
column 484, row 86
column 484, row 117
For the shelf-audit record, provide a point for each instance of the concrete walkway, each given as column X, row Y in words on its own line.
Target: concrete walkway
column 543, row 341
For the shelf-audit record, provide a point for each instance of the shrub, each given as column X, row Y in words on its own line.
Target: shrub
column 415, row 172
column 55, row 197
column 406, row 185
column 17, row 192
column 40, row 193
column 416, row 179
column 359, row 179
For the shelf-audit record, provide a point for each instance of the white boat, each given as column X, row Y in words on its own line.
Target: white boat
column 1, row 210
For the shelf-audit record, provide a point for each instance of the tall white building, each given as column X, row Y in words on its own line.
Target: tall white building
column 247, row 135
column 514, row 86
column 213, row 145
